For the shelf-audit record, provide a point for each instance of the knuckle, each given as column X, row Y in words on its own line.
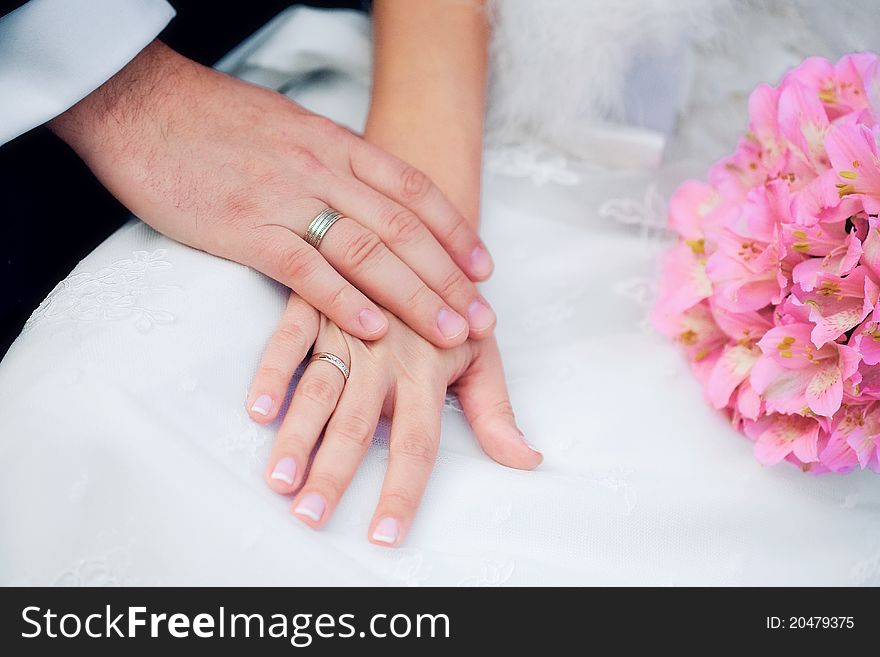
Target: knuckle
column 500, row 409
column 324, row 126
column 402, row 226
column 366, row 247
column 355, row 430
column 458, row 229
column 291, row 336
column 306, row 160
column 417, row 297
column 320, row 391
column 291, row 441
column 400, row 498
column 238, row 205
column 298, row 263
column 453, row 282
column 414, row 185
column 275, row 373
column 337, row 298
column 327, row 482
column 417, row 447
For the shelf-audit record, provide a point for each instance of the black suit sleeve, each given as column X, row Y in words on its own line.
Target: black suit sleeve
column 10, row 5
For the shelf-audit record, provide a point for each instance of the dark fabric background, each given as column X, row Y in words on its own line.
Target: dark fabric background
column 52, row 211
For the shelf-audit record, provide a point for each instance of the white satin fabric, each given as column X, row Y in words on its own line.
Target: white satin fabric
column 127, row 457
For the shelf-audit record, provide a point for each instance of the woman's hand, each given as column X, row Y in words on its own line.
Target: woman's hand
column 401, row 376
column 241, row 171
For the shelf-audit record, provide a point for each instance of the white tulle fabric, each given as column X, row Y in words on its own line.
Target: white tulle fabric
column 126, row 455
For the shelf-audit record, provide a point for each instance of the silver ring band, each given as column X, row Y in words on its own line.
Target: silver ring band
column 320, row 225
column 333, row 359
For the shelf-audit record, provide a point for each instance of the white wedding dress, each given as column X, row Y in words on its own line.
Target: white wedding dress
column 126, row 455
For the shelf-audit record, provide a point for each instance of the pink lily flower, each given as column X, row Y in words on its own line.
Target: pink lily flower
column 746, row 270
column 684, row 282
column 820, row 201
column 795, row 377
column 866, row 340
column 855, row 157
column 731, row 369
column 748, row 402
column 688, row 208
column 804, row 123
column 837, row 304
column 778, row 436
column 855, row 437
column 760, row 154
column 841, row 86
column 694, row 329
column 743, row 328
column 836, row 252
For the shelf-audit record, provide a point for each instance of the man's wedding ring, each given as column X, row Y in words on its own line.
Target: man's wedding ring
column 333, row 359
column 320, row 225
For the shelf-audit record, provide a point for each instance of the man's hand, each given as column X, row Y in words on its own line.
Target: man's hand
column 240, row 171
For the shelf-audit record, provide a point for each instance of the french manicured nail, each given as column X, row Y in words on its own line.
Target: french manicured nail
column 529, row 445
column 481, row 262
column 311, row 506
column 372, row 321
column 262, row 405
column 480, row 316
column 387, row 531
column 518, row 435
column 450, row 323
column 285, row 470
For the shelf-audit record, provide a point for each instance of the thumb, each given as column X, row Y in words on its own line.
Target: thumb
column 486, row 404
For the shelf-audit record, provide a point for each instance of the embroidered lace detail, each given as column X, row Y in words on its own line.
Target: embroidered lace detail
column 113, row 293
column 110, row 566
column 494, row 572
column 648, row 213
column 411, row 567
column 537, row 163
column 867, row 571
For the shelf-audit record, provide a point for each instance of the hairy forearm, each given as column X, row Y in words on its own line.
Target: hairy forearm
column 113, row 108
column 429, row 90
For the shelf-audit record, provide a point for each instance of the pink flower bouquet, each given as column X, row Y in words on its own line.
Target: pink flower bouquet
column 772, row 290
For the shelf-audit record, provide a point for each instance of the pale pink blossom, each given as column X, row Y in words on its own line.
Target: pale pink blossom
column 855, row 437
column 778, row 436
column 855, row 157
column 794, row 377
column 773, row 291
column 837, row 303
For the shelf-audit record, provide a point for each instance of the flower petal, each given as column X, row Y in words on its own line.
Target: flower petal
column 731, row 369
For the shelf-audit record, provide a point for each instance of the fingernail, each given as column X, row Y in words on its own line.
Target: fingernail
column 518, row 435
column 372, row 321
column 450, row 323
column 311, row 506
column 262, row 405
column 529, row 445
column 285, row 470
column 481, row 262
column 387, row 531
column 480, row 316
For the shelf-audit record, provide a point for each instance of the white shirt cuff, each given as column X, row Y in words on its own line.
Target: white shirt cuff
column 54, row 53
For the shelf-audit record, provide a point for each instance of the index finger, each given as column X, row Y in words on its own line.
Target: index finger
column 411, row 188
column 285, row 257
